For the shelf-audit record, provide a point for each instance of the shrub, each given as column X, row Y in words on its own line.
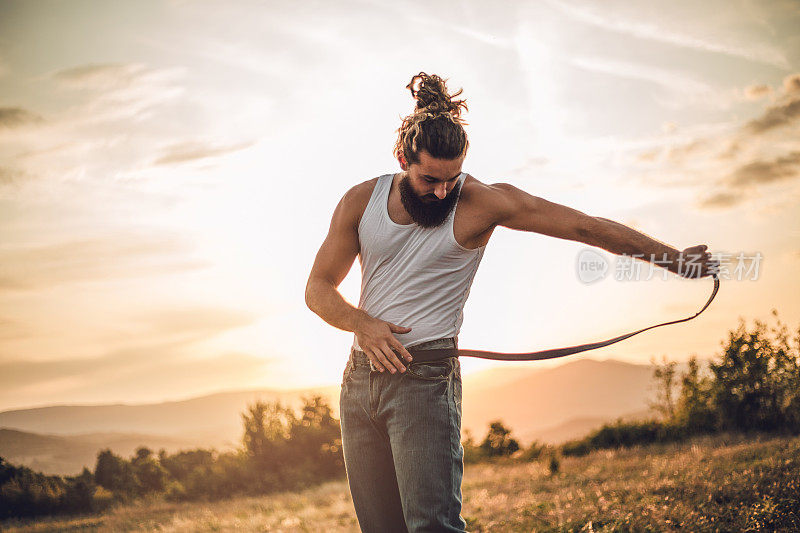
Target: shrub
column 498, row 441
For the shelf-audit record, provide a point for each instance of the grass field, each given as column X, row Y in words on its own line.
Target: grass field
column 720, row 483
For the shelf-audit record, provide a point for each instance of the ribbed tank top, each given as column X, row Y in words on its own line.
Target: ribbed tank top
column 413, row 276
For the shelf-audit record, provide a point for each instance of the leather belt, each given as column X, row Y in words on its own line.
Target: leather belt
column 436, row 354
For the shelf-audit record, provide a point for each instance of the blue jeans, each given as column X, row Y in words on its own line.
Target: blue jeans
column 401, row 437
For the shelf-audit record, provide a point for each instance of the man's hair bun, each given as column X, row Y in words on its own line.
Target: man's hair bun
column 430, row 92
column 436, row 125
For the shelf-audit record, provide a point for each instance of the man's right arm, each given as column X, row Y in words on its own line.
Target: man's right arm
column 334, row 260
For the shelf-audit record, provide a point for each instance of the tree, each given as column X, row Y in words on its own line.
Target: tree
column 108, row 470
column 758, row 378
column 116, row 474
column 316, row 440
column 664, row 376
column 267, row 428
column 151, row 476
column 79, row 495
column 694, row 411
column 182, row 463
column 289, row 451
column 498, row 441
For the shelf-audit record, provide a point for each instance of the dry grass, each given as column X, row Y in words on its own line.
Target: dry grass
column 707, row 484
column 720, row 483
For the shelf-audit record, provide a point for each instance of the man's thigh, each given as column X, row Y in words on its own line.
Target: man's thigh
column 424, row 425
column 368, row 458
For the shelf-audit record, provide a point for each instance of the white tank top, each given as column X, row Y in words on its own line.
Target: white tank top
column 413, row 276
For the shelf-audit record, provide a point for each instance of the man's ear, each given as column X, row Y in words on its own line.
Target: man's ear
column 402, row 160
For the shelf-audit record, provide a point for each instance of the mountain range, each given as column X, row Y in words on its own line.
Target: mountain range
column 546, row 404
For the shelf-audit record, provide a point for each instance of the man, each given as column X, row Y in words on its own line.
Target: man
column 420, row 235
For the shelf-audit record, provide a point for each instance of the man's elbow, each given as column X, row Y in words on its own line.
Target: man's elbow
column 316, row 288
column 310, row 293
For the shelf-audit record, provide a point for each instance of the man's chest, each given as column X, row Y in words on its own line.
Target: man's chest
column 471, row 225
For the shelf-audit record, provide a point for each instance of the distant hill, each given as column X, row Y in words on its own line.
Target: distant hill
column 538, row 399
column 579, row 427
column 67, row 455
column 548, row 404
column 213, row 420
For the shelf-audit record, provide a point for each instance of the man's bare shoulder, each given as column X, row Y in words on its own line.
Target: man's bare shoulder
column 355, row 200
column 482, row 197
column 362, row 191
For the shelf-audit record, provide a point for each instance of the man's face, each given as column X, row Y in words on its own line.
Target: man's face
column 429, row 189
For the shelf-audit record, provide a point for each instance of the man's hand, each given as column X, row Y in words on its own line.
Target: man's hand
column 377, row 340
column 694, row 262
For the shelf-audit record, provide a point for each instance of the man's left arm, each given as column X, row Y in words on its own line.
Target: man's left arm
column 514, row 208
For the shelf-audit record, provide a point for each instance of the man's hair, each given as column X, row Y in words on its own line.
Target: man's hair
column 435, row 125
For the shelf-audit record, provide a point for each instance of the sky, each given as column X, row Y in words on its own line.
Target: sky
column 168, row 171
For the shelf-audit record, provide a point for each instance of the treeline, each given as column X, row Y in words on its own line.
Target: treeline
column 753, row 386
column 24, row 492
column 280, row 450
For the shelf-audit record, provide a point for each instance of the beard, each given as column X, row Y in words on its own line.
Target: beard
column 427, row 211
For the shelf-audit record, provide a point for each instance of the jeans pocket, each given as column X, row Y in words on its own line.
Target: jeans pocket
column 433, row 370
column 457, row 385
column 348, row 371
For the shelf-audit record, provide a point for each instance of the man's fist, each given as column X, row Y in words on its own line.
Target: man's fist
column 694, row 262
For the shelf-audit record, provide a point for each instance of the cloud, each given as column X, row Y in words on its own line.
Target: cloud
column 128, row 374
column 784, row 112
column 101, row 77
column 161, row 339
column 195, row 321
column 190, row 151
column 11, row 329
column 9, row 176
column 648, row 155
column 642, row 26
column 756, row 92
column 669, row 127
column 12, row 117
column 733, row 149
column 776, row 116
column 761, row 152
column 791, row 84
column 721, row 200
column 108, row 127
column 761, row 172
column 671, row 80
column 116, row 91
column 112, row 257
column 680, row 153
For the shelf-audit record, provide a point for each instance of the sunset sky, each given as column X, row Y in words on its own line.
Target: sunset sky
column 168, row 171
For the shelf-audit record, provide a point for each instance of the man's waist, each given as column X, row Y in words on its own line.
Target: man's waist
column 433, row 350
